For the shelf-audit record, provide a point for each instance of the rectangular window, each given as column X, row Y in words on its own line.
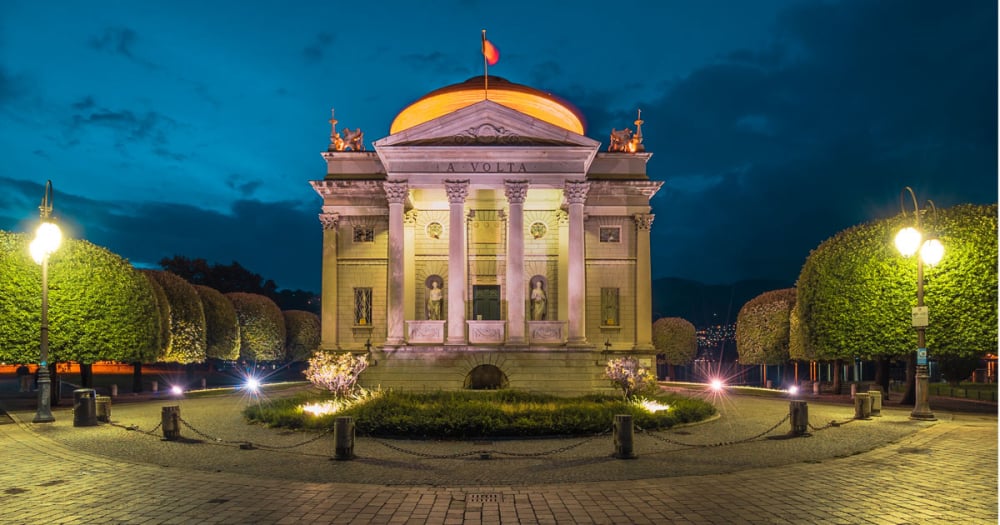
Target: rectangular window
column 364, row 234
column 609, row 306
column 611, row 234
column 363, row 306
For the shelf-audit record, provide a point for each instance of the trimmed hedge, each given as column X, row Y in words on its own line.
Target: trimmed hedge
column 763, row 328
column 222, row 329
column 187, row 319
column 262, row 327
column 302, row 334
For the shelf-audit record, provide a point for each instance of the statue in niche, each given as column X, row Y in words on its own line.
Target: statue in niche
column 435, row 300
column 538, row 301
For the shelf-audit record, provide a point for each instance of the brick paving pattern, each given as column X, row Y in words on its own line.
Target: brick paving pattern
column 913, row 473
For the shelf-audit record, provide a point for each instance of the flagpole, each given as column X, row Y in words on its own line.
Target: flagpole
column 486, row 73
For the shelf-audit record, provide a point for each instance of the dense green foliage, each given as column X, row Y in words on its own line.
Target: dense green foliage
column 762, row 328
column 100, row 308
column 187, row 320
column 302, row 334
column 262, row 327
column 222, row 330
column 235, row 278
column 856, row 291
column 676, row 339
column 162, row 319
column 498, row 413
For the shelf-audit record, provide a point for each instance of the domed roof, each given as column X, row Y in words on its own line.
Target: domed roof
column 530, row 101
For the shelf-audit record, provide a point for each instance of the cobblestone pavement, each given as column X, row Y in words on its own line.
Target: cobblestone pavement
column 887, row 470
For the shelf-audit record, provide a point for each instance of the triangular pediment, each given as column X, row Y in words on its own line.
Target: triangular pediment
column 486, row 123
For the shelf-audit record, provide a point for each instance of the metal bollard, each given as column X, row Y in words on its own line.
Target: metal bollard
column 170, row 420
column 84, row 411
column 114, row 390
column 862, row 406
column 624, row 437
column 798, row 414
column 343, row 438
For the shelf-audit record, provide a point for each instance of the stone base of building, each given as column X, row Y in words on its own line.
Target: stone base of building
column 562, row 371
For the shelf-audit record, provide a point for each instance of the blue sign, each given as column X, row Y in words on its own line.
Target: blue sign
column 921, row 357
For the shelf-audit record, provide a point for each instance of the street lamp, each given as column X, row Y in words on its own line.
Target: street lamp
column 47, row 239
column 908, row 242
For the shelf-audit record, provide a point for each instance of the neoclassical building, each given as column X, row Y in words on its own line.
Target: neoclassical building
column 485, row 243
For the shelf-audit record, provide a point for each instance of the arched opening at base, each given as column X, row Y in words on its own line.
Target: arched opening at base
column 486, row 377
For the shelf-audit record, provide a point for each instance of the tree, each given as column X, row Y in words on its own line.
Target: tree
column 302, row 334
column 187, row 320
column 222, row 329
column 100, row 308
column 855, row 291
column 262, row 327
column 235, row 278
column 677, row 340
column 762, row 328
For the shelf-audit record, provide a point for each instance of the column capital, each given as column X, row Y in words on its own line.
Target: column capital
column 457, row 190
column 515, row 190
column 576, row 192
column 396, row 191
column 410, row 217
column 643, row 221
column 329, row 220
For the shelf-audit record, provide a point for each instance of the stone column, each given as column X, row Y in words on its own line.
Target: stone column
column 643, row 284
column 328, row 294
column 409, row 265
column 395, row 193
column 457, row 191
column 576, row 195
column 563, row 265
column 516, row 192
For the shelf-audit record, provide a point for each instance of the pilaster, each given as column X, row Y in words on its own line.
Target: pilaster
column 328, row 297
column 457, row 191
column 516, row 191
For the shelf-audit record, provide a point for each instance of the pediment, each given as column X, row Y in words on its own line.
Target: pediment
column 486, row 123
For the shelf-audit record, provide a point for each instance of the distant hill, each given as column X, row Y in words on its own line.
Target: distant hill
column 707, row 304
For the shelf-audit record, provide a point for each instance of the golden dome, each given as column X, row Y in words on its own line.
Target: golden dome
column 530, row 101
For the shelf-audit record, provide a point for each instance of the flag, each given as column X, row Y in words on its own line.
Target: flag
column 490, row 51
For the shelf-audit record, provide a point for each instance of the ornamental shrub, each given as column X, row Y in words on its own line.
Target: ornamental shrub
column 763, row 328
column 222, row 330
column 187, row 319
column 302, row 334
column 336, row 372
column 676, row 339
column 626, row 375
column 262, row 327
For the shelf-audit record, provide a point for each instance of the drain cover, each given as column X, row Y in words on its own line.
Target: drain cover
column 484, row 498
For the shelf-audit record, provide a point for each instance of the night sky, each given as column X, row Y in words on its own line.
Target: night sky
column 193, row 128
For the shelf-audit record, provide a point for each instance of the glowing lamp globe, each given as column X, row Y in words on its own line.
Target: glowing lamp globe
column 932, row 251
column 907, row 241
column 48, row 237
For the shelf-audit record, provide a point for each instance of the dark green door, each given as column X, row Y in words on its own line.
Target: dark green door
column 486, row 302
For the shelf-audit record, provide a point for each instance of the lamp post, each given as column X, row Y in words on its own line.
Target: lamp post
column 47, row 239
column 908, row 242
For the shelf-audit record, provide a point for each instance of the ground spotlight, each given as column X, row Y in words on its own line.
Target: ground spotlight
column 793, row 390
column 176, row 390
column 253, row 384
column 717, row 385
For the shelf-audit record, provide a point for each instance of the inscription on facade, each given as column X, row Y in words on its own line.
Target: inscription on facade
column 485, row 167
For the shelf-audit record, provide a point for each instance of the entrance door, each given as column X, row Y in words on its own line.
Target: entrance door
column 486, row 302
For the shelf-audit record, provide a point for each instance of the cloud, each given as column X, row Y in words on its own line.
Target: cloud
column 279, row 240
column 246, row 188
column 119, row 41
column 316, row 50
column 436, row 63
column 126, row 127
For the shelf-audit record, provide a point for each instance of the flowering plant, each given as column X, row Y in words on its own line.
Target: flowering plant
column 336, row 372
column 626, row 375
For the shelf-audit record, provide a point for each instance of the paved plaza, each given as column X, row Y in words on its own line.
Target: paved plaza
column 738, row 468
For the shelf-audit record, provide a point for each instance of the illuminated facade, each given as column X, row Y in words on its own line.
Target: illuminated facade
column 485, row 243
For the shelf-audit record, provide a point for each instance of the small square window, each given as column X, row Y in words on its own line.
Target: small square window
column 611, row 234
column 364, row 234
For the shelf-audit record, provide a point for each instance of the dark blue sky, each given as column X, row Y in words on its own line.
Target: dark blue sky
column 193, row 128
